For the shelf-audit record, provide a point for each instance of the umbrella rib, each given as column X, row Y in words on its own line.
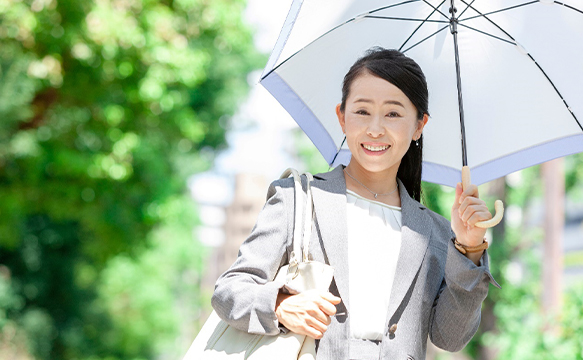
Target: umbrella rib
column 485, row 33
column 419, row 27
column 557, row 90
column 338, row 152
column 436, row 9
column 405, row 19
column 467, row 7
column 535, row 62
column 497, row 11
column 569, row 6
column 435, row 33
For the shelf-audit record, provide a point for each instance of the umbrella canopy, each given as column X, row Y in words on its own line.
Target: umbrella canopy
column 520, row 65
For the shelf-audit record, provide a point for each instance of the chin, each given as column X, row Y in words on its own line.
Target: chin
column 376, row 167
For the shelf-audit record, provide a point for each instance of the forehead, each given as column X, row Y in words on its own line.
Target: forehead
column 375, row 88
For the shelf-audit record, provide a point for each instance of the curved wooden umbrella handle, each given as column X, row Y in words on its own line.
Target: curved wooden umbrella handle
column 498, row 205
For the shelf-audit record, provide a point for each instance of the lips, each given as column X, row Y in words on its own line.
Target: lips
column 375, row 147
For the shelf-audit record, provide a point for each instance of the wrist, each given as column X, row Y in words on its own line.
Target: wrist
column 474, row 253
column 475, row 257
column 465, row 249
column 280, row 297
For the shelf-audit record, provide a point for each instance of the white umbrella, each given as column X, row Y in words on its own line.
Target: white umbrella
column 520, row 64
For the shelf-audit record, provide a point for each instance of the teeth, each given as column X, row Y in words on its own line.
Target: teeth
column 375, row 148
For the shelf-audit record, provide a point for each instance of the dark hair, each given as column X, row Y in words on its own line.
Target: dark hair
column 403, row 72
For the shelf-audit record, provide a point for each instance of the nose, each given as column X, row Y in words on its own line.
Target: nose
column 375, row 128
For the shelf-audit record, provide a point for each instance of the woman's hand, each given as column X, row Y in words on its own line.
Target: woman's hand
column 467, row 210
column 307, row 313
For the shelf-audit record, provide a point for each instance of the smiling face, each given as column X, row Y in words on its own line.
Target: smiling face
column 379, row 121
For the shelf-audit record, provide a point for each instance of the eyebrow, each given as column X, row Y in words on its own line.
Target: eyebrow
column 390, row 102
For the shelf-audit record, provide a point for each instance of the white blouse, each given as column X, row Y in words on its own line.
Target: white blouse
column 374, row 241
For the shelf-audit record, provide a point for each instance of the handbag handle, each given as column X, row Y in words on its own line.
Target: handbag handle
column 301, row 239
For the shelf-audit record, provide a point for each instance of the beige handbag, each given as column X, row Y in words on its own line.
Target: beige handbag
column 217, row 340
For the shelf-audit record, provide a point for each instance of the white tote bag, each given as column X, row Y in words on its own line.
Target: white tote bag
column 219, row 341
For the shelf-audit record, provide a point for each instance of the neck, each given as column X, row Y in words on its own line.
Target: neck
column 382, row 182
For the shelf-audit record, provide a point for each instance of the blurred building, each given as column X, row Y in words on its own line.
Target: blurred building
column 241, row 215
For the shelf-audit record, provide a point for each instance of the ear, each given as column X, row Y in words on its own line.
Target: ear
column 340, row 116
column 420, row 125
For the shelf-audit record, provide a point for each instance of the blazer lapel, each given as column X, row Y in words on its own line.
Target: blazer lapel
column 330, row 207
column 415, row 235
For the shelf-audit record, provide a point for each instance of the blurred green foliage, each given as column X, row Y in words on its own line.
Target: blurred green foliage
column 522, row 331
column 106, row 106
column 308, row 154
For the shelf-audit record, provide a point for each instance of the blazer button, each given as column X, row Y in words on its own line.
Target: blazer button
column 393, row 329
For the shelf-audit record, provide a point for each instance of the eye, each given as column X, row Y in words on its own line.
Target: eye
column 361, row 112
column 393, row 114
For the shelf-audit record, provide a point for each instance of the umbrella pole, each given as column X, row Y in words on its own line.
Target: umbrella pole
column 466, row 179
column 453, row 21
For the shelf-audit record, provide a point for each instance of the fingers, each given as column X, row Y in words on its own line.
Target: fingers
column 474, row 214
column 331, row 299
column 473, row 210
column 307, row 313
column 470, row 191
column 311, row 332
column 314, row 324
column 319, row 314
column 478, row 217
column 469, row 206
column 462, row 194
column 319, row 322
column 470, row 203
column 325, row 305
column 458, row 192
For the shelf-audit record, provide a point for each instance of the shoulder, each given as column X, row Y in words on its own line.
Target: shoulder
column 281, row 189
column 333, row 178
column 284, row 188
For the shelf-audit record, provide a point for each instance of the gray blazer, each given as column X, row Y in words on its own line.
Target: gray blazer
column 437, row 291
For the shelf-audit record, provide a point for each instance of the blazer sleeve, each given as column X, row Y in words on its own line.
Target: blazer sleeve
column 245, row 294
column 456, row 312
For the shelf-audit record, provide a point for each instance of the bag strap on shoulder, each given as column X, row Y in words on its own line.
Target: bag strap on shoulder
column 303, row 216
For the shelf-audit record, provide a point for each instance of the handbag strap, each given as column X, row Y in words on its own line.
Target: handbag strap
column 301, row 238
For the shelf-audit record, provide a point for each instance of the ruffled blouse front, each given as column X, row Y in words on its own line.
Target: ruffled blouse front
column 374, row 242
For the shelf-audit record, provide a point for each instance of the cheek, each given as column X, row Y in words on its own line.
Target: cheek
column 405, row 132
column 353, row 127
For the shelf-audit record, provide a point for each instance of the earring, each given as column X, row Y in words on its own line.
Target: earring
column 417, row 142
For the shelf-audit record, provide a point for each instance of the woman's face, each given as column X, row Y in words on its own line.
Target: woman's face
column 379, row 121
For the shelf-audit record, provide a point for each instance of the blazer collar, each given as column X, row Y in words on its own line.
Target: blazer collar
column 337, row 174
column 330, row 206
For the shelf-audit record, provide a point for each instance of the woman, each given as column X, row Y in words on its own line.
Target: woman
column 398, row 276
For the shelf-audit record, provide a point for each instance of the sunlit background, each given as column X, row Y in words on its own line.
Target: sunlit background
column 136, row 148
